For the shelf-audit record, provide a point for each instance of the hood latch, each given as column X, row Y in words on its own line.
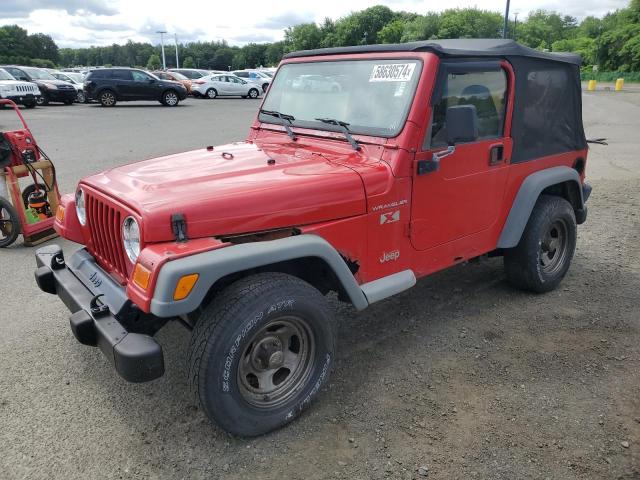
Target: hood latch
column 179, row 226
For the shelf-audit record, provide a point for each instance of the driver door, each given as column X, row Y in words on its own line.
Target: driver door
column 462, row 196
column 144, row 87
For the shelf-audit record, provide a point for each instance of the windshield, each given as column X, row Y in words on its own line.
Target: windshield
column 38, row 74
column 76, row 77
column 4, row 75
column 372, row 96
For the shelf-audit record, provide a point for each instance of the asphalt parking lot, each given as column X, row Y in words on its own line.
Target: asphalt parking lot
column 461, row 374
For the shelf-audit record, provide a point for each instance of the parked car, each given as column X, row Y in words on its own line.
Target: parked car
column 441, row 152
column 256, row 76
column 191, row 73
column 175, row 77
column 111, row 85
column 315, row 83
column 25, row 93
column 224, row 86
column 75, row 79
column 51, row 89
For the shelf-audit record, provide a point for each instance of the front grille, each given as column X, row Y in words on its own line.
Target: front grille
column 25, row 88
column 105, row 224
column 66, row 87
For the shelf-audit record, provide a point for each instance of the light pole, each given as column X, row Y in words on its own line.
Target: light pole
column 175, row 37
column 164, row 63
column 506, row 21
column 515, row 26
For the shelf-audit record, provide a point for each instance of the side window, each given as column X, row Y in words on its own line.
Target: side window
column 121, row 74
column 486, row 90
column 140, row 76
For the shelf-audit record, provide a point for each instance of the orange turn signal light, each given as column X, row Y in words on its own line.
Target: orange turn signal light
column 185, row 285
column 141, row 276
column 60, row 214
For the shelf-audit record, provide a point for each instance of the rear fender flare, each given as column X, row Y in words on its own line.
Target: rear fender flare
column 216, row 264
column 527, row 197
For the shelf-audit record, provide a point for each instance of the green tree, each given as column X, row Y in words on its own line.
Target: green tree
column 392, row 32
column 362, row 27
column 154, row 62
column 188, row 63
column 469, row 23
column 305, row 36
column 423, row 27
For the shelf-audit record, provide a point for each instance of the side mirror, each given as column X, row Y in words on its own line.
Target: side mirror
column 462, row 124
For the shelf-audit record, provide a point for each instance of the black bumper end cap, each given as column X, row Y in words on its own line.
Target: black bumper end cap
column 83, row 328
column 586, row 191
column 45, row 280
column 138, row 358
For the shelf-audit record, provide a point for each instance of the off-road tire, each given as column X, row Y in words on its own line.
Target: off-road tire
column 9, row 223
column 107, row 98
column 234, row 326
column 542, row 258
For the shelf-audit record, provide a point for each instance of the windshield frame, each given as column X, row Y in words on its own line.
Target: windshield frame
column 316, row 125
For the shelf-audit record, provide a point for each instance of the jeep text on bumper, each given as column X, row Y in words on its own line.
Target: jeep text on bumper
column 136, row 357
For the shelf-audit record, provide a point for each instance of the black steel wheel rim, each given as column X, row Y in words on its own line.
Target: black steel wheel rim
column 554, row 247
column 277, row 362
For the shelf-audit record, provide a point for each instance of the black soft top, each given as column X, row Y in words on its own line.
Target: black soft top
column 457, row 47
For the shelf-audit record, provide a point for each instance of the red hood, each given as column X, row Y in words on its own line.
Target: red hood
column 237, row 194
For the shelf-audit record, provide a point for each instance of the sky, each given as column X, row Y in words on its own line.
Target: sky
column 82, row 23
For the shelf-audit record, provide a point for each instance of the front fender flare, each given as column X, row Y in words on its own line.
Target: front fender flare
column 527, row 197
column 215, row 264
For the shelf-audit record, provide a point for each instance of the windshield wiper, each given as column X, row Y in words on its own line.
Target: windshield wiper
column 287, row 121
column 344, row 127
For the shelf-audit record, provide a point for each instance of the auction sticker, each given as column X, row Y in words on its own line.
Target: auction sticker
column 392, row 72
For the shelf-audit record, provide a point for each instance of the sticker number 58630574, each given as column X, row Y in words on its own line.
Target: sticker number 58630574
column 392, row 72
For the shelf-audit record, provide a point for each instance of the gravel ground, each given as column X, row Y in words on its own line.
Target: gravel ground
column 459, row 377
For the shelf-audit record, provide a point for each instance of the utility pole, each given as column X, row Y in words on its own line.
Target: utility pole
column 175, row 37
column 515, row 26
column 506, row 21
column 164, row 63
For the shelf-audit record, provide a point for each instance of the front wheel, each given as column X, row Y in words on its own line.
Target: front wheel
column 9, row 223
column 170, row 98
column 211, row 93
column 260, row 352
column 254, row 93
column 42, row 100
column 542, row 257
column 80, row 98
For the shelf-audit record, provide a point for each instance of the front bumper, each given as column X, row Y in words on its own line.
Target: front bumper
column 23, row 99
column 62, row 95
column 136, row 357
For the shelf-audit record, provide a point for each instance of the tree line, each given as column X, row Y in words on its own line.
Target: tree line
column 611, row 42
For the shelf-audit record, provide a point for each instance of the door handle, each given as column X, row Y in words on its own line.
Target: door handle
column 496, row 154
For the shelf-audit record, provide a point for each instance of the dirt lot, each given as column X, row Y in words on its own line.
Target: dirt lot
column 461, row 375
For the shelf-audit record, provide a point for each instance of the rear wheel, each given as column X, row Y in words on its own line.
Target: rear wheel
column 107, row 98
column 212, row 93
column 542, row 257
column 260, row 352
column 254, row 93
column 9, row 223
column 170, row 98
column 30, row 104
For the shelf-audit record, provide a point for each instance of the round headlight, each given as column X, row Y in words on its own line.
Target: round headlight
column 80, row 210
column 131, row 238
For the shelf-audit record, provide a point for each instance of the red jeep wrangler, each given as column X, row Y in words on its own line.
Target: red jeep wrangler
column 395, row 162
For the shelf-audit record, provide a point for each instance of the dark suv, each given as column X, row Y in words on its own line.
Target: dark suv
column 51, row 89
column 111, row 85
